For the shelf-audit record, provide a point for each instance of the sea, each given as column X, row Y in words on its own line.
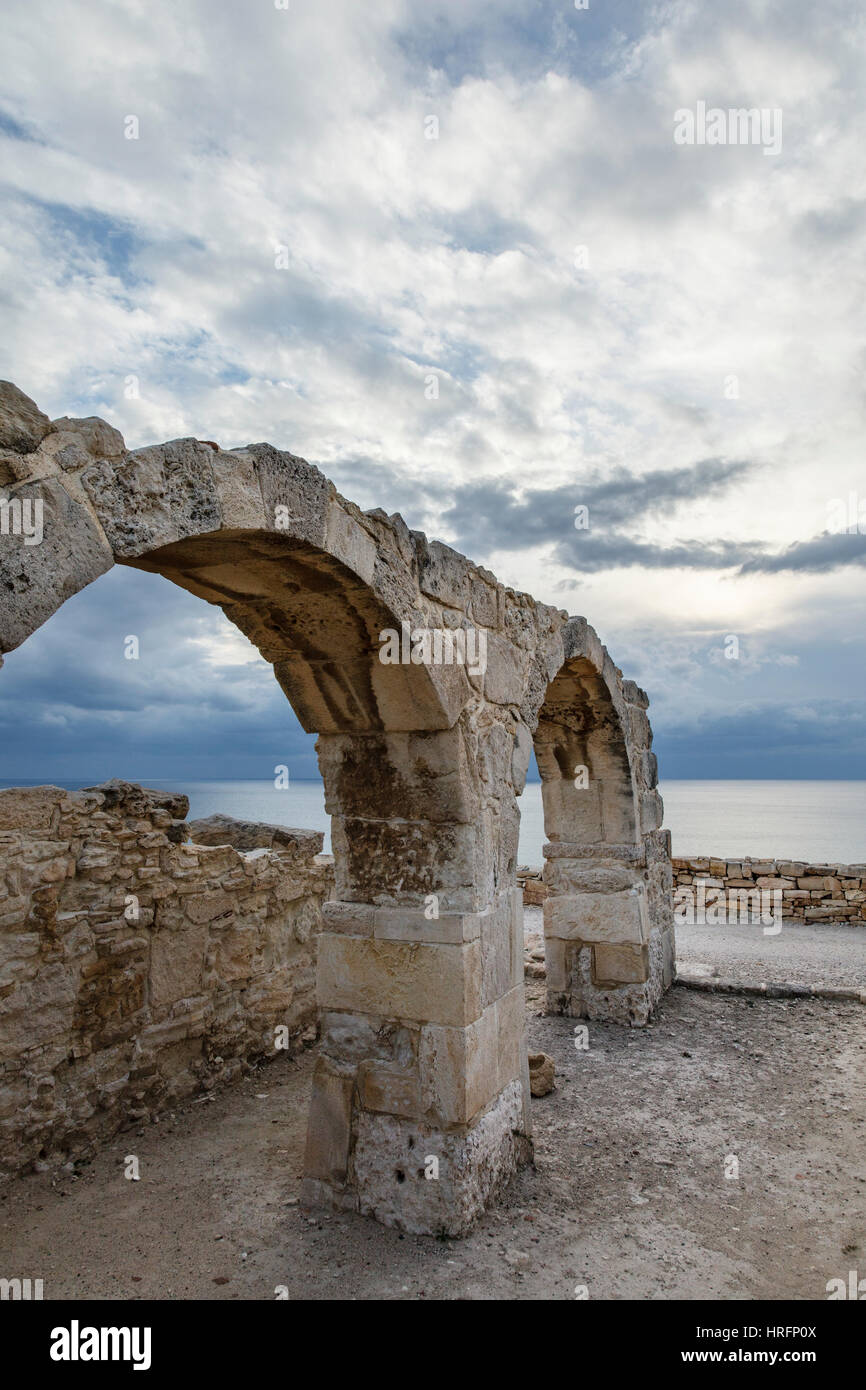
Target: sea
column 824, row 822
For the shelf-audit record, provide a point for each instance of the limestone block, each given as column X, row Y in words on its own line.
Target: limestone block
column 411, row 776
column 573, row 813
column 651, row 812
column 349, row 540
column 99, row 439
column 614, row 918
column 37, row 578
column 511, row 1038
column 474, row 1167
column 497, row 949
column 352, row 1038
column 495, row 751
column 580, row 640
column 507, row 669
column 176, row 964
column 446, row 575
column 206, row 907
column 296, row 495
column 649, row 771
column 639, row 731
column 357, row 919
column 616, row 965
column 426, row 982
column 329, row 1128
column 22, row 424
column 541, row 1074
column 558, row 955
column 247, row 835
column 459, row 1069
column 590, row 876
column 416, row 697
column 237, row 491
column 413, row 924
column 390, row 862
column 515, row 906
column 28, row 808
column 634, row 695
column 389, row 1089
column 155, row 496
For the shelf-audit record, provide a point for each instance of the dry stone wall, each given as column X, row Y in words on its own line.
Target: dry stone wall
column 138, row 967
column 810, row 892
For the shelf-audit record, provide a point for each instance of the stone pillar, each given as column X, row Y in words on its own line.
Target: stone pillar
column 419, row 1113
column 597, row 932
column 608, row 921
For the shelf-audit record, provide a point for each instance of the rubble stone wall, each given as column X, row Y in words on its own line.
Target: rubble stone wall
column 138, row 967
column 810, row 892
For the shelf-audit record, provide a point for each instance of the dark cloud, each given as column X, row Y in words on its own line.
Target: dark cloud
column 73, row 708
column 817, row 556
column 820, row 739
column 490, row 516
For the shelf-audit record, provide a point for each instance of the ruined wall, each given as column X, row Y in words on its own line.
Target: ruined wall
column 810, row 892
column 137, row 967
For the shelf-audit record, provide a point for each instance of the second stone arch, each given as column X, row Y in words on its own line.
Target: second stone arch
column 608, row 922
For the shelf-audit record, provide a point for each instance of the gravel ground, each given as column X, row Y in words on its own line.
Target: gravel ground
column 833, row 956
column 627, row 1196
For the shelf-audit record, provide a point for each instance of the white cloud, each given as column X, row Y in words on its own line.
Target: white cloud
column 406, row 256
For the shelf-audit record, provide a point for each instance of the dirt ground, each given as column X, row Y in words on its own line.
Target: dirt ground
column 627, row 1196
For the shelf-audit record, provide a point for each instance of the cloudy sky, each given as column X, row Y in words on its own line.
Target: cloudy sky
column 333, row 212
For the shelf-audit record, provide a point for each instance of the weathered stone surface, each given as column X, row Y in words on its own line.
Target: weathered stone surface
column 36, row 579
column 100, row 440
column 136, row 968
column 22, row 424
column 426, row 982
column 330, row 1129
column 541, row 1074
column 246, row 835
column 613, row 918
column 823, row 892
column 619, row 965
column 392, row 1157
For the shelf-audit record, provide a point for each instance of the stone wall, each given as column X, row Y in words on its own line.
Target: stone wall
column 810, row 892
column 137, row 967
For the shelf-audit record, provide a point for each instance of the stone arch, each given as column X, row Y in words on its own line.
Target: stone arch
column 422, row 1061
column 419, row 972
column 609, row 942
